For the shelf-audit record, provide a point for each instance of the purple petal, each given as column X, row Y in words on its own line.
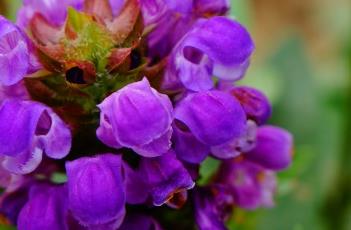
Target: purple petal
column 213, row 117
column 255, row 103
column 35, row 129
column 187, row 147
column 45, row 209
column 202, row 53
column 17, row 135
column 126, row 113
column 56, row 136
column 235, row 147
column 95, row 190
column 251, row 185
column 165, row 176
column 14, row 53
column 26, row 162
column 273, row 149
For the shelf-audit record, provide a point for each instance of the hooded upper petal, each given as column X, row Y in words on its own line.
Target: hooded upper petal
column 273, row 148
column 14, row 53
column 138, row 117
column 213, row 117
column 202, row 54
column 166, row 176
column 95, row 190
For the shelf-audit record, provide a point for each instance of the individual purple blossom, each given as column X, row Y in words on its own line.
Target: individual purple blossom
column 137, row 117
column 15, row 57
column 164, row 178
column 208, row 118
column 255, row 103
column 202, row 54
column 35, row 130
column 46, row 208
column 251, row 185
column 96, row 192
column 273, row 148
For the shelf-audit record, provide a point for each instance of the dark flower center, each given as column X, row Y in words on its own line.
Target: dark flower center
column 75, row 75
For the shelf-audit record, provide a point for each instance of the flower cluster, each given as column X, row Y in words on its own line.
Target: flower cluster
column 124, row 101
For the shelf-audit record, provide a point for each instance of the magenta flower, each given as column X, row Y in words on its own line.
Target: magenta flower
column 212, row 117
column 201, row 54
column 137, row 117
column 95, row 191
column 36, row 130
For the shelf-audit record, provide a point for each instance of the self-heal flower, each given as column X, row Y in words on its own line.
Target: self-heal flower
column 137, row 117
column 217, row 47
column 212, row 117
column 273, row 148
column 27, row 129
column 251, row 185
column 167, row 178
column 96, row 191
column 164, row 179
column 14, row 53
column 254, row 102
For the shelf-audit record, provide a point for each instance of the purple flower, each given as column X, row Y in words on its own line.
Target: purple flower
column 96, row 192
column 202, row 54
column 164, row 178
column 212, row 117
column 213, row 206
column 255, row 103
column 137, row 117
column 35, row 130
column 273, row 148
column 54, row 11
column 15, row 57
column 46, row 208
column 251, row 185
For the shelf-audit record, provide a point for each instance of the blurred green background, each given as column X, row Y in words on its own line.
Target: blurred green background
column 303, row 63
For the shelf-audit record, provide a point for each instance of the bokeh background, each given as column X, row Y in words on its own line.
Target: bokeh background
column 303, row 63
